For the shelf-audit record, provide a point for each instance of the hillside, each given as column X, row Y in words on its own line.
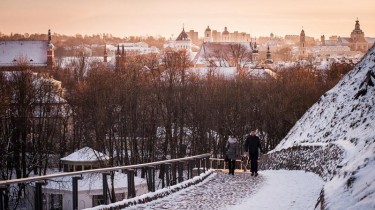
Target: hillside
column 344, row 117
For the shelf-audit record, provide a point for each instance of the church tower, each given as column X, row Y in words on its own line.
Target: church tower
column 50, row 53
column 357, row 34
column 302, row 43
column 268, row 56
column 255, row 51
column 207, row 35
column 225, row 35
column 105, row 53
column 322, row 40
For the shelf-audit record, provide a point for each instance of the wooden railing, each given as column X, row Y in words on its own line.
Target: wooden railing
column 220, row 164
column 170, row 171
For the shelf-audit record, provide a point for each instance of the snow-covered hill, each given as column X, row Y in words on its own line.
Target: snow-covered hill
column 344, row 117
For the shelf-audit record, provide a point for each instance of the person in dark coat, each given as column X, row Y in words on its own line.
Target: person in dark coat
column 233, row 153
column 252, row 145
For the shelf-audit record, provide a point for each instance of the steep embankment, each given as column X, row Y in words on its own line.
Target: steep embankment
column 343, row 118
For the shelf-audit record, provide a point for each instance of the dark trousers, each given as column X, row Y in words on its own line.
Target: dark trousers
column 254, row 163
column 231, row 166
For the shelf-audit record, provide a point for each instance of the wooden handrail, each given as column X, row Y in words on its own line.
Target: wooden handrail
column 100, row 170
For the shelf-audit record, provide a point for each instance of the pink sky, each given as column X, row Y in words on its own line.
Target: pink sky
column 166, row 17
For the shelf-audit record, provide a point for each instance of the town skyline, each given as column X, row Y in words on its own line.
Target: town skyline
column 167, row 18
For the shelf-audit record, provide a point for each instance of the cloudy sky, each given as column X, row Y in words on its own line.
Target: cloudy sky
column 167, row 17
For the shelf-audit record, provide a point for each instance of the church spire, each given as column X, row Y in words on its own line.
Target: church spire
column 50, row 53
column 268, row 56
column 357, row 26
column 49, row 36
column 105, row 53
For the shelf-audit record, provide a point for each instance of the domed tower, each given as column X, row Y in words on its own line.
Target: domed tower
column 50, row 52
column 207, row 35
column 225, row 35
column 357, row 34
column 255, row 51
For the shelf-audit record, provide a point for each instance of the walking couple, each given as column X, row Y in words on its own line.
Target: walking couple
column 251, row 146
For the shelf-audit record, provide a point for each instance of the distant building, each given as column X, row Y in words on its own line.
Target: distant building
column 84, row 159
column 208, row 35
column 39, row 55
column 225, row 36
column 58, row 192
column 357, row 40
column 291, row 39
column 216, row 36
column 193, row 35
column 220, row 54
column 268, row 56
column 183, row 42
column 302, row 44
column 132, row 48
column 327, row 51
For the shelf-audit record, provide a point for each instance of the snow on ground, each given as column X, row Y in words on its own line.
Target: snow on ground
column 270, row 190
column 345, row 116
column 284, row 190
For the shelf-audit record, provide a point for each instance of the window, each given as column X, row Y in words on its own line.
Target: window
column 97, row 200
column 120, row 196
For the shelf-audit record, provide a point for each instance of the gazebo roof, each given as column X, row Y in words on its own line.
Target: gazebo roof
column 86, row 154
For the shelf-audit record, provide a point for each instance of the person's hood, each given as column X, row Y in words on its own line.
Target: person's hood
column 232, row 140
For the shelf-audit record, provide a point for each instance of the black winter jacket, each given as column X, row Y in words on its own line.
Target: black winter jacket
column 252, row 144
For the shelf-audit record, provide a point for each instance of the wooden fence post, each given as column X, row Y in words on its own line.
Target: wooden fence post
column 75, row 191
column 168, row 174
column 105, row 188
column 162, row 174
column 39, row 195
column 180, row 171
column 2, row 190
column 198, row 165
column 151, row 178
column 174, row 173
column 131, row 184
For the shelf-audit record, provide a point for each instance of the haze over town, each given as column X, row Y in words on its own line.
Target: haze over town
column 165, row 18
column 149, row 104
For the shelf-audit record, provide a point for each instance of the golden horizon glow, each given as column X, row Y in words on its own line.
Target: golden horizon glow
column 166, row 17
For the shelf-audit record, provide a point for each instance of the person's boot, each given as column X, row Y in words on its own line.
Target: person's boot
column 252, row 173
column 256, row 174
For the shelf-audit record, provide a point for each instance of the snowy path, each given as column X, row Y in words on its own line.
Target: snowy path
column 285, row 190
column 281, row 189
column 217, row 193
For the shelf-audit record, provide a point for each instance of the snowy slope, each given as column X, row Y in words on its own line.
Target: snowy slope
column 345, row 116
